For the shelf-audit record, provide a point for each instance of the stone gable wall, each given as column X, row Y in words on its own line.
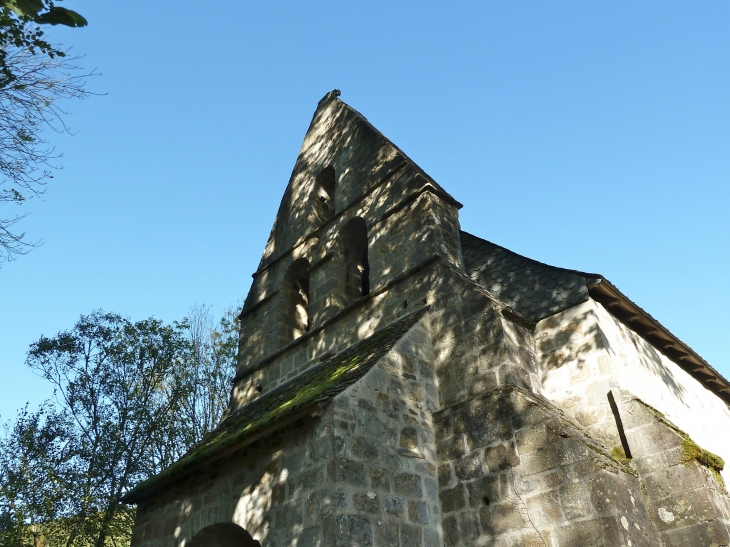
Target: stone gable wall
column 585, row 352
column 513, row 471
column 340, row 138
column 384, row 469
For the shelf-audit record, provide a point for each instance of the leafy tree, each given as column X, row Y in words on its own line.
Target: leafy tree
column 212, row 365
column 34, row 75
column 118, row 384
column 131, row 398
column 19, row 20
column 36, row 471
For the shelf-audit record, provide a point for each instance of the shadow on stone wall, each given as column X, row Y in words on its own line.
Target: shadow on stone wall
column 514, row 471
column 650, row 359
column 225, row 534
column 585, row 340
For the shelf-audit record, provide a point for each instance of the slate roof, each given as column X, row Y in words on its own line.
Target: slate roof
column 536, row 291
column 316, row 385
column 531, row 288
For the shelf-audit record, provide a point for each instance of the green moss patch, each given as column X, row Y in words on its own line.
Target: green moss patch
column 691, row 451
column 318, row 384
column 618, row 454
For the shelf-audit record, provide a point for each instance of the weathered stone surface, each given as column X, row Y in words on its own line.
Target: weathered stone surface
column 418, row 512
column 407, row 484
column 410, row 536
column 599, row 532
column 403, row 383
column 452, row 499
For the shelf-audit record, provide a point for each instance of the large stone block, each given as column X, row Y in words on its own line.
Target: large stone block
column 602, row 532
column 544, row 509
column 452, row 499
column 575, row 501
column 505, row 517
column 349, row 531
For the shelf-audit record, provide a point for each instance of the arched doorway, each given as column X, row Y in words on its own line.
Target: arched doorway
column 223, row 534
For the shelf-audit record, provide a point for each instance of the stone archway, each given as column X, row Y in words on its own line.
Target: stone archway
column 223, row 534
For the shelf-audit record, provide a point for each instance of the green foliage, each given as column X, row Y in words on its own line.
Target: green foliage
column 131, row 398
column 117, row 386
column 35, row 473
column 44, row 12
column 34, row 74
column 19, row 20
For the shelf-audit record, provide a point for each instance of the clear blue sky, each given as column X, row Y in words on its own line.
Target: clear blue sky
column 588, row 135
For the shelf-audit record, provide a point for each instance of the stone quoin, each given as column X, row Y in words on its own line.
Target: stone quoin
column 401, row 382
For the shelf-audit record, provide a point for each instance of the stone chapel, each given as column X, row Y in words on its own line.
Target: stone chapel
column 403, row 383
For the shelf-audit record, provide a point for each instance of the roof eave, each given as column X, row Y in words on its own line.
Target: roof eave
column 629, row 313
column 148, row 487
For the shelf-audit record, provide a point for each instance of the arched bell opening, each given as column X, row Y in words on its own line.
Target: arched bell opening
column 354, row 252
column 295, row 305
column 324, row 195
column 223, row 534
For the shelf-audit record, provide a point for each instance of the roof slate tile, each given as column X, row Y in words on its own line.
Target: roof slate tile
column 531, row 288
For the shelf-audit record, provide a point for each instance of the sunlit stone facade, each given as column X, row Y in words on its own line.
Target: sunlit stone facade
column 403, row 383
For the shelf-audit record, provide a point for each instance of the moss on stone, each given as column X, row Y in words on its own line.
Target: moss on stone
column 318, row 384
column 658, row 413
column 609, row 456
column 691, row 451
column 618, row 454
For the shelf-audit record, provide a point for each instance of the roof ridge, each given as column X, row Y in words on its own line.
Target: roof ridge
column 587, row 275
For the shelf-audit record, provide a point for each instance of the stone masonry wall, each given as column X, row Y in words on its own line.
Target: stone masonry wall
column 360, row 322
column 268, row 489
column 584, row 353
column 477, row 348
column 395, row 220
column 685, row 500
column 362, row 473
column 340, row 138
column 426, row 222
column 576, row 369
column 384, row 470
column 514, row 472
